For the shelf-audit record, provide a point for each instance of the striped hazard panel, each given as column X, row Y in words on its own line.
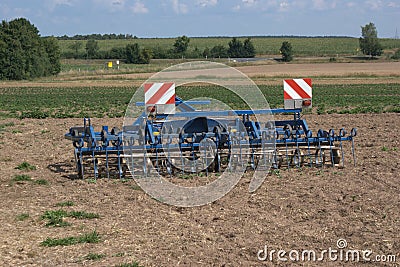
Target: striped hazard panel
column 160, row 97
column 297, row 89
column 297, row 93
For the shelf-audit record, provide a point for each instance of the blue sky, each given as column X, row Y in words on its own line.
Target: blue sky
column 172, row 18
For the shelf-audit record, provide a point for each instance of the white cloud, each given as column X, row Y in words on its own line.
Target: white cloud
column 139, row 8
column 323, row 4
column 206, row 3
column 319, row 4
column 112, row 5
column 374, row 4
column 283, row 6
column 179, row 8
column 249, row 2
column 393, row 5
column 245, row 4
column 351, row 4
column 236, row 8
column 52, row 4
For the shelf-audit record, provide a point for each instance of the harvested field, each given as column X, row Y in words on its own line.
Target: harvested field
column 294, row 209
column 298, row 209
column 270, row 73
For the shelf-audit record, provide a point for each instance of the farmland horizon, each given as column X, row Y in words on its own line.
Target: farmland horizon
column 133, row 36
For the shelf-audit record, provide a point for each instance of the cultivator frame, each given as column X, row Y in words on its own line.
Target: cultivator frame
column 157, row 142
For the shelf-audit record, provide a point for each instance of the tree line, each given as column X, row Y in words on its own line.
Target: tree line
column 179, row 49
column 24, row 54
column 97, row 36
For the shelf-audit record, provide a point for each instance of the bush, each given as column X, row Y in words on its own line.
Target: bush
column 237, row 49
column 396, row 54
column 286, row 51
column 135, row 55
column 24, row 54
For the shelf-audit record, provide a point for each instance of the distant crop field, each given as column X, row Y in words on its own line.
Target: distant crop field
column 302, row 46
column 64, row 102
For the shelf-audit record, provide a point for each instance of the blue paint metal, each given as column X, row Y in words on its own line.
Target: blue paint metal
column 292, row 135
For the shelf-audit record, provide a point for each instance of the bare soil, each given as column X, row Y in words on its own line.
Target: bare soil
column 268, row 73
column 307, row 208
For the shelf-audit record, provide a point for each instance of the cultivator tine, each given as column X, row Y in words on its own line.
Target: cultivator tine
column 145, row 168
column 297, row 152
column 286, row 138
column 168, row 167
column 276, row 160
column 342, row 134
column 81, row 169
column 130, row 144
column 353, row 134
column 263, row 150
column 119, row 164
column 331, row 136
column 308, row 136
column 242, row 139
column 319, row 151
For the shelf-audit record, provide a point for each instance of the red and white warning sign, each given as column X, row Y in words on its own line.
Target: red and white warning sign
column 297, row 93
column 160, row 97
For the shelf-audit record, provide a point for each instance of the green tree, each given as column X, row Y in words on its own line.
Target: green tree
column 181, row 44
column 206, row 52
column 235, row 48
column 54, row 53
column 145, row 56
column 248, row 48
column 92, row 48
column 24, row 54
column 219, row 51
column 75, row 46
column 135, row 55
column 286, row 51
column 396, row 54
column 369, row 42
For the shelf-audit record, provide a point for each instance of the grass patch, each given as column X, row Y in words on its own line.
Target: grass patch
column 136, row 187
column 56, row 217
column 277, row 173
column 132, row 264
column 65, row 204
column 22, row 216
column 83, row 215
column 92, row 237
column 41, row 182
column 25, row 166
column 21, row 178
column 94, row 256
column 119, row 254
column 3, row 126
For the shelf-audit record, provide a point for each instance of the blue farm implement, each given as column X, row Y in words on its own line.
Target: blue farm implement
column 191, row 141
